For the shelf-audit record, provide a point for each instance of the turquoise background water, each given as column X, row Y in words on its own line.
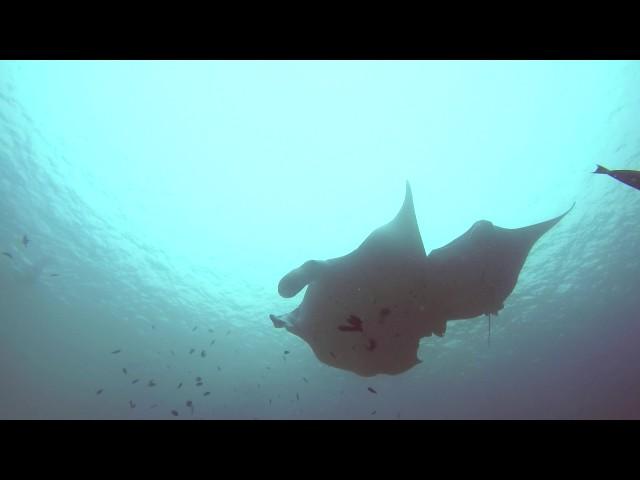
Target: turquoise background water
column 171, row 197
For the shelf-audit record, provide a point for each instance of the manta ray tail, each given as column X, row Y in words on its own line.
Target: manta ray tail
column 601, row 169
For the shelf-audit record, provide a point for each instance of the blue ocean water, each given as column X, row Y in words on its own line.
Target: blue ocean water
column 162, row 201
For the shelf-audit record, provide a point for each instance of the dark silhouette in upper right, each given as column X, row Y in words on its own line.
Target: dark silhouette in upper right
column 629, row 177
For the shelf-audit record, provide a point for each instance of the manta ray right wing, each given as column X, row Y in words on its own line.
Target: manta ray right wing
column 478, row 271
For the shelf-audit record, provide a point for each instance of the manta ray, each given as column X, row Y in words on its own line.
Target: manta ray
column 366, row 312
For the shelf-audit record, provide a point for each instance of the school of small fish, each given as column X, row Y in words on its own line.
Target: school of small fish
column 199, row 382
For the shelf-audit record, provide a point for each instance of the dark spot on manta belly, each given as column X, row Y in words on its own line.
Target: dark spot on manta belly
column 372, row 345
column 355, row 325
column 384, row 312
column 345, row 328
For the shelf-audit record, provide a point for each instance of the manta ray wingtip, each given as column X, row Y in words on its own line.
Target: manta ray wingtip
column 408, row 197
column 565, row 213
column 277, row 323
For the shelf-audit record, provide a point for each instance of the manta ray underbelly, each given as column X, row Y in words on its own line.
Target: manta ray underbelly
column 366, row 328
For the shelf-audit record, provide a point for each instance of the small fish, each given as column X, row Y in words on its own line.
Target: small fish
column 124, row 370
column 373, row 413
column 116, row 351
column 131, row 404
column 180, row 385
column 25, row 241
column 228, row 332
column 203, row 354
column 191, row 351
column 54, row 275
column 305, row 380
column 213, row 342
column 219, row 369
column 99, row 391
column 205, row 394
column 198, row 379
column 173, row 353
column 153, row 406
column 194, row 328
column 628, row 177
column 297, row 396
column 153, row 327
column 199, row 384
column 7, row 254
column 190, row 405
column 174, row 413
column 287, row 352
column 269, row 401
column 371, row 390
column 151, row 383
column 135, row 381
